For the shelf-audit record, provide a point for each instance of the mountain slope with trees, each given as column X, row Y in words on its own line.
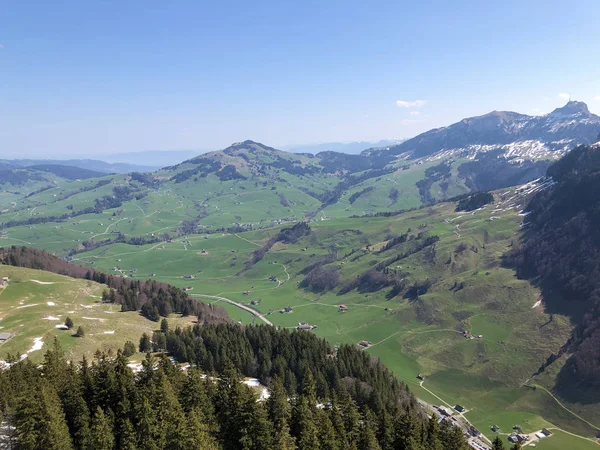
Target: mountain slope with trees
column 343, row 400
column 561, row 252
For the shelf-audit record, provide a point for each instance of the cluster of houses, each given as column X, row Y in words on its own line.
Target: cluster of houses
column 305, row 326
column 521, row 438
column 468, row 335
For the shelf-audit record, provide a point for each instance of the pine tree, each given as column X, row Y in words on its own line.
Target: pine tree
column 327, row 434
column 80, row 332
column 432, row 438
column 126, row 437
column 148, row 433
column 129, row 349
column 304, row 427
column 40, row 422
column 145, row 343
column 164, row 326
column 102, row 433
column 280, row 415
column 368, row 437
column 497, row 443
column 76, row 410
column 68, row 323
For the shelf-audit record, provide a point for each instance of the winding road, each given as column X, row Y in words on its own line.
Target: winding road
column 239, row 305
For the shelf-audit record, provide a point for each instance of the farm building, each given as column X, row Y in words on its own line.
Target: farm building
column 365, row 344
column 4, row 337
column 495, row 428
column 444, row 411
column 343, row 308
column 305, row 326
column 459, row 408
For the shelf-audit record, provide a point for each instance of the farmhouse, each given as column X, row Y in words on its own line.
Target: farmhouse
column 4, row 337
column 343, row 308
column 365, row 344
column 287, row 309
column 305, row 326
column 444, row 411
column 495, row 428
column 459, row 408
column 188, row 277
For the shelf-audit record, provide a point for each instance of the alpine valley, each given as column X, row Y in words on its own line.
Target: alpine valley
column 465, row 260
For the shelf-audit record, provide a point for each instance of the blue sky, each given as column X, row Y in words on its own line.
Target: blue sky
column 89, row 78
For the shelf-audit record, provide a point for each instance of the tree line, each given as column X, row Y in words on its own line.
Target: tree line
column 103, row 405
column 152, row 298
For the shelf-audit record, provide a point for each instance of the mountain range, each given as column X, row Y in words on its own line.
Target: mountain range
column 517, row 136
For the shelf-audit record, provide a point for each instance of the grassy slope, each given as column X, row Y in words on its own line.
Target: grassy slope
column 410, row 337
column 24, row 306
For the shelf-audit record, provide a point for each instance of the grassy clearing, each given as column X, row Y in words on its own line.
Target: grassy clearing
column 31, row 310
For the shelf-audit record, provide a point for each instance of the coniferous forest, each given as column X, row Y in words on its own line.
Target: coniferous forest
column 319, row 399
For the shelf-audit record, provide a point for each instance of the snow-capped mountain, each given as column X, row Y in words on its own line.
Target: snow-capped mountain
column 516, row 137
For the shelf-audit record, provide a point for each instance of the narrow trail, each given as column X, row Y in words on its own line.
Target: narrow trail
column 138, row 207
column 565, row 408
column 239, row 305
column 108, row 227
column 244, row 239
column 575, row 435
column 415, row 332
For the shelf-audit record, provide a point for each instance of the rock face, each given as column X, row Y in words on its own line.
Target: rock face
column 517, row 136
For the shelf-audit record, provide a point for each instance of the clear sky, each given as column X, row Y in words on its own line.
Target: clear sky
column 88, row 78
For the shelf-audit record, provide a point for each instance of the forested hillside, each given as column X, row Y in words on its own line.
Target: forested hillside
column 561, row 252
column 153, row 298
column 343, row 400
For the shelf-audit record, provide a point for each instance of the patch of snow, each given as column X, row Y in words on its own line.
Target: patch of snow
column 51, row 303
column 109, row 332
column 93, row 318
column 27, row 306
column 536, row 304
column 86, row 306
column 38, row 343
column 252, row 382
column 61, row 327
column 42, row 282
column 51, row 318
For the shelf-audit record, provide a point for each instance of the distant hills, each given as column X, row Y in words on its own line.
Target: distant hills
column 341, row 147
column 154, row 158
column 87, row 164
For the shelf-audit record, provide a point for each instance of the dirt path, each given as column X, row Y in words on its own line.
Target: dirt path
column 239, row 305
column 565, row 408
column 573, row 434
column 244, row 239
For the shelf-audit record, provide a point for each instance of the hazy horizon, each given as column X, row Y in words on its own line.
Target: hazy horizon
column 105, row 78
